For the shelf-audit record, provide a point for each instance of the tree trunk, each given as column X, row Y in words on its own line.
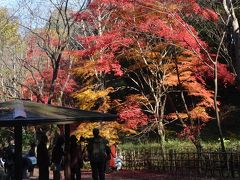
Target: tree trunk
column 216, row 108
column 197, row 144
column 162, row 134
column 54, row 80
column 229, row 9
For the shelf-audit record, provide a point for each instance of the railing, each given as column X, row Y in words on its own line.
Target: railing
column 205, row 164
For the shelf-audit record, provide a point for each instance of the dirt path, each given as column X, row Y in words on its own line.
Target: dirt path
column 123, row 175
column 134, row 175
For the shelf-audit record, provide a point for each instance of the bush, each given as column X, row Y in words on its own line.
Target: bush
column 184, row 146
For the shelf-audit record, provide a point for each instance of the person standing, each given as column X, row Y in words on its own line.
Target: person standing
column 9, row 159
column 32, row 156
column 43, row 158
column 76, row 160
column 57, row 157
column 97, row 151
column 113, row 154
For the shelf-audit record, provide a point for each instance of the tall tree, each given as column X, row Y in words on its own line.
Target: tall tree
column 232, row 22
column 11, row 48
column 52, row 41
column 98, row 40
column 156, row 46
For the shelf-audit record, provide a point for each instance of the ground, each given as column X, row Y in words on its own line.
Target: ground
column 134, row 175
column 125, row 175
column 121, row 175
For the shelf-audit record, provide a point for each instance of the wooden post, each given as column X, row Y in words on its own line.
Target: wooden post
column 18, row 151
column 67, row 169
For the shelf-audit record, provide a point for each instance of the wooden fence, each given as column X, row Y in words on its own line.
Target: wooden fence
column 206, row 164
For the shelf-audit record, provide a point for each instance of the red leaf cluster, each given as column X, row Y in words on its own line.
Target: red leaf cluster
column 131, row 114
column 40, row 72
column 191, row 132
column 104, row 49
column 225, row 77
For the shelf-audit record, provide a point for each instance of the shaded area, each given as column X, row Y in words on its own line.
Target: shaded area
column 20, row 113
column 125, row 175
column 230, row 125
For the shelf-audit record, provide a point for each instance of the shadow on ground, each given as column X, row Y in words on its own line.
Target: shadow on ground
column 121, row 175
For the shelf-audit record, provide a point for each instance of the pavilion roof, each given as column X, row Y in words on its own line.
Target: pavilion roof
column 20, row 112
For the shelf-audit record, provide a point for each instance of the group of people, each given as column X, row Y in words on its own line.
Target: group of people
column 98, row 153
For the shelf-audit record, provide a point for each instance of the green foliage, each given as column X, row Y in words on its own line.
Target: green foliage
column 27, row 139
column 179, row 146
column 5, row 134
column 184, row 146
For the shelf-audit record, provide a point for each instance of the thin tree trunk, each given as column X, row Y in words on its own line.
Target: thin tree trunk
column 54, row 79
column 229, row 9
column 162, row 134
column 216, row 94
column 216, row 108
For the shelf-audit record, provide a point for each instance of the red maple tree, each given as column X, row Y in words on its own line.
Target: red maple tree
column 135, row 32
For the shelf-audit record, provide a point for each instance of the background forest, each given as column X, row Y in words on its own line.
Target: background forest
column 169, row 69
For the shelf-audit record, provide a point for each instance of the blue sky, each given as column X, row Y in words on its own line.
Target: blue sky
column 8, row 3
column 33, row 12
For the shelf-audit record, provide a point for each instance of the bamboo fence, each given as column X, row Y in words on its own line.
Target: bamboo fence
column 205, row 164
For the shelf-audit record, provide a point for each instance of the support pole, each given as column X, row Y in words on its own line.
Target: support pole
column 18, row 152
column 67, row 169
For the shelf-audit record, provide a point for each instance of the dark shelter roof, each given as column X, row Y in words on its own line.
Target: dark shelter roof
column 19, row 112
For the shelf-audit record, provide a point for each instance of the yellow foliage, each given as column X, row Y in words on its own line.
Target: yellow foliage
column 152, row 54
column 8, row 29
column 88, row 70
column 138, row 98
column 199, row 113
column 109, row 130
column 181, row 115
column 88, row 98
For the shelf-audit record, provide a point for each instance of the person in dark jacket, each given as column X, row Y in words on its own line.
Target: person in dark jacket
column 76, row 161
column 9, row 159
column 43, row 158
column 57, row 157
column 98, row 153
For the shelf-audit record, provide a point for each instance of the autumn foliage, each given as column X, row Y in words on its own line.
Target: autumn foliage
column 144, row 48
column 131, row 114
column 40, row 72
column 147, row 38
